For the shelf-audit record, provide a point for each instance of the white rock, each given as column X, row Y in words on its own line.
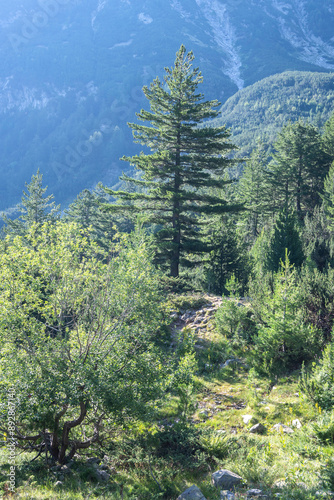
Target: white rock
column 247, row 418
column 204, row 414
column 280, row 484
column 296, row 423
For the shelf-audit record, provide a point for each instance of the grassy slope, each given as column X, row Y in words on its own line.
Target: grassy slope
column 225, row 395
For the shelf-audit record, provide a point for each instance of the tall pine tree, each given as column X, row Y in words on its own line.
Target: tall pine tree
column 186, row 159
column 252, row 192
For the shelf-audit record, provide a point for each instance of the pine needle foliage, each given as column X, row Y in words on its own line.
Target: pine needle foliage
column 186, row 159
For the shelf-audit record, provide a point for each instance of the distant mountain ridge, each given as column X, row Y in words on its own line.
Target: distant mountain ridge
column 259, row 112
column 72, row 72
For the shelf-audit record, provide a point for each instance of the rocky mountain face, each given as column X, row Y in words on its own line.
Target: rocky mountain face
column 72, row 71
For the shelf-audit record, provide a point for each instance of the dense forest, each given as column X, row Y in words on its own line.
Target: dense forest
column 175, row 335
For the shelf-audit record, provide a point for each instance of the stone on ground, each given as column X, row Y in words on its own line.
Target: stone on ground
column 225, row 479
column 192, row 493
column 257, row 429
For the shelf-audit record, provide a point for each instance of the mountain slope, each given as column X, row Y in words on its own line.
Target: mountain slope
column 72, row 73
column 260, row 110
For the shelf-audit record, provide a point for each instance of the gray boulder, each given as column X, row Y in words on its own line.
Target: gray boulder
column 255, row 493
column 225, row 479
column 257, row 429
column 227, row 495
column 282, row 428
column 102, row 475
column 192, row 493
column 229, row 361
column 93, row 460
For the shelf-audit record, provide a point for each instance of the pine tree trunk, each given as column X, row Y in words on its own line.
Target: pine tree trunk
column 176, row 250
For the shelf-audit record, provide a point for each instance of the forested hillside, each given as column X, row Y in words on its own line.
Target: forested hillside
column 173, row 339
column 259, row 111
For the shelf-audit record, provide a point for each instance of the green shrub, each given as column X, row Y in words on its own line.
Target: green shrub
column 284, row 339
column 324, row 427
column 230, row 317
column 319, row 384
column 215, row 444
column 327, row 474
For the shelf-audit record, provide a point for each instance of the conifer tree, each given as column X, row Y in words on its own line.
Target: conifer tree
column 317, row 237
column 285, row 238
column 328, row 138
column 35, row 208
column 284, row 338
column 185, row 160
column 299, row 166
column 87, row 211
column 328, row 195
column 274, row 242
column 252, row 192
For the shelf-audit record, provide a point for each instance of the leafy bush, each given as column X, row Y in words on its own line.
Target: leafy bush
column 178, row 445
column 230, row 317
column 324, row 427
column 186, row 301
column 319, row 384
column 284, row 339
column 327, row 474
column 76, row 335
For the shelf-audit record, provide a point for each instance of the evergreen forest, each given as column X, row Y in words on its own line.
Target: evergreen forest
column 170, row 337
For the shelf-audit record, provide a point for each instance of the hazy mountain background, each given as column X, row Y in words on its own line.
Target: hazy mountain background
column 72, row 72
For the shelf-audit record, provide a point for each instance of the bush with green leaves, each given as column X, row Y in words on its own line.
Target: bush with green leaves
column 284, row 338
column 231, row 315
column 318, row 384
column 323, row 427
column 77, row 335
column 327, row 475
